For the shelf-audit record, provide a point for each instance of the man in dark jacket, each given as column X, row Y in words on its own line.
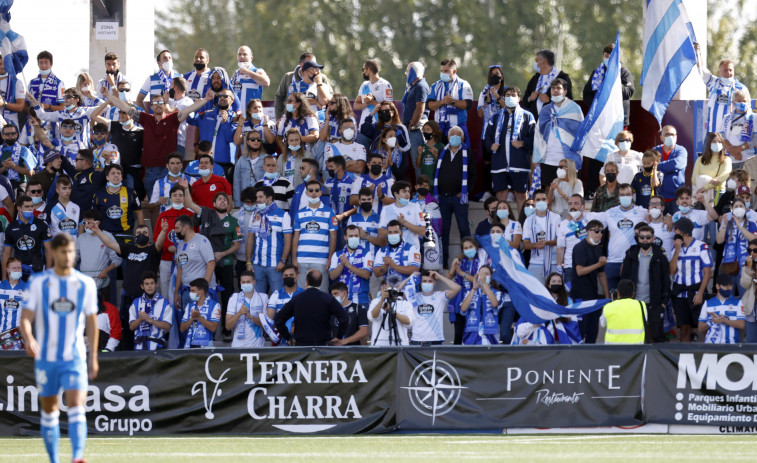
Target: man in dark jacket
column 538, row 88
column 312, row 310
column 646, row 265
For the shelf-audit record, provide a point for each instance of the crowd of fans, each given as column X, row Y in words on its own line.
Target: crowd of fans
column 357, row 199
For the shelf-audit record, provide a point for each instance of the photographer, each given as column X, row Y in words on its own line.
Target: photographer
column 428, row 326
column 390, row 317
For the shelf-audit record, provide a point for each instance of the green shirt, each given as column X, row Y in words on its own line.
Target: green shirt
column 428, row 161
column 231, row 225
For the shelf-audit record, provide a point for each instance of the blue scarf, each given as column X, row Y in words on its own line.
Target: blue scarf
column 736, row 244
column 746, row 128
column 464, row 153
column 482, row 315
column 542, row 85
column 260, row 225
column 598, row 77
column 148, row 304
column 517, row 121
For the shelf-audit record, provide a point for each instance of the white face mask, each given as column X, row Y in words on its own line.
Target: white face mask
column 391, row 142
column 243, row 64
column 739, row 212
column 655, row 213
column 558, row 98
column 670, row 141
column 561, row 173
column 166, row 66
column 86, row 89
column 731, row 184
column 624, row 146
column 348, row 134
column 575, row 214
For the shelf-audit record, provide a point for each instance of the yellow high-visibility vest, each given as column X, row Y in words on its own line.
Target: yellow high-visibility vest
column 625, row 324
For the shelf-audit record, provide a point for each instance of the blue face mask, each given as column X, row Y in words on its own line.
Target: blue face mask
column 605, row 61
column 511, row 101
column 427, row 287
column 36, row 200
column 261, row 207
column 203, row 172
column 445, row 77
column 455, row 140
column 529, row 211
column 290, row 108
column 314, row 201
column 625, row 201
column 123, row 96
column 294, row 147
column 257, row 116
column 740, row 107
column 502, row 214
column 536, row 67
column 541, row 206
column 393, row 239
column 684, row 209
column 249, row 208
column 64, row 138
column 46, row 72
column 70, row 107
column 403, row 201
column 194, row 297
column 171, row 174
column 28, row 215
column 339, row 299
column 114, row 185
column 470, row 253
column 16, row 275
column 488, row 280
column 726, row 293
column 270, row 174
column 246, row 287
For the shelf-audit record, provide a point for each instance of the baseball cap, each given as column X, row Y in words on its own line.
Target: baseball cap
column 310, row 64
column 743, row 190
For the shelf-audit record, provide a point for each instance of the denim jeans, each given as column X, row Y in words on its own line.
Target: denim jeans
column 267, row 279
column 152, row 175
column 612, row 271
column 450, row 205
column 506, row 318
column 416, row 140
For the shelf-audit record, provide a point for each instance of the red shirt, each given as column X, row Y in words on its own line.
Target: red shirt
column 203, row 192
column 666, row 154
column 170, row 215
column 159, row 138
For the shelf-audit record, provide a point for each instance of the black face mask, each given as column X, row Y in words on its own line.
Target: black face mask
column 10, row 141
column 555, row 288
column 142, row 240
column 289, row 282
column 223, row 107
column 367, row 207
column 427, row 136
column 172, row 93
column 149, row 296
column 645, row 245
column 366, row 77
column 495, row 79
column 648, row 169
column 331, row 172
column 678, row 236
column 611, row 177
column 113, row 73
column 181, row 236
column 422, row 191
column 332, row 112
column 375, row 169
column 199, row 66
column 385, row 116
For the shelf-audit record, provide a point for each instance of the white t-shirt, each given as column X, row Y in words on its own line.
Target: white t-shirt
column 412, row 213
column 664, row 238
column 20, row 95
column 351, row 152
column 429, row 317
column 621, row 225
column 628, row 165
column 245, row 333
column 182, row 131
column 380, row 334
column 554, row 153
column 537, row 229
column 381, row 91
column 699, row 218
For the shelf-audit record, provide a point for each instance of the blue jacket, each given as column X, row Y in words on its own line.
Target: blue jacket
column 674, row 170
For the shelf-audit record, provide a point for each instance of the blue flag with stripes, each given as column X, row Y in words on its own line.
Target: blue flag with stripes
column 531, row 298
column 12, row 44
column 596, row 135
column 669, row 54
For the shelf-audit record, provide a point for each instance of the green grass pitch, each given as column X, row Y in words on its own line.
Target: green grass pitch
column 400, row 448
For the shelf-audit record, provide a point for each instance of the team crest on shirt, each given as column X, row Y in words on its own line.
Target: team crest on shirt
column 334, row 221
column 33, row 227
column 114, row 212
column 66, row 225
column 416, row 256
column 124, row 199
column 389, row 94
column 25, row 243
column 226, row 224
column 63, row 306
column 212, row 188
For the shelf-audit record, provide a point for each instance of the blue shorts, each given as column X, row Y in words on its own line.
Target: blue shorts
column 52, row 377
column 516, row 181
column 471, row 338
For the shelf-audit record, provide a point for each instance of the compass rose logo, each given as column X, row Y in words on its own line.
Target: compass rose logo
column 434, row 388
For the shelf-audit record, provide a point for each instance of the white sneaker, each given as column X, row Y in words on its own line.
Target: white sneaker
column 485, row 196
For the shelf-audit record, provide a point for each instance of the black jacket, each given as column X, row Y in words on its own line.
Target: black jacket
column 659, row 273
column 531, row 87
column 312, row 310
column 626, row 87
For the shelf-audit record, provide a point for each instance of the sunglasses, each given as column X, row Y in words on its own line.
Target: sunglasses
column 645, row 237
column 313, row 191
column 127, row 90
column 753, row 250
column 597, row 230
column 32, row 192
column 159, row 102
column 224, row 96
column 254, row 139
column 69, row 97
column 67, row 126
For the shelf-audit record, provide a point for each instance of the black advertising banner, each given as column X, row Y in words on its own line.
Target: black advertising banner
column 485, row 388
column 226, row 391
column 702, row 385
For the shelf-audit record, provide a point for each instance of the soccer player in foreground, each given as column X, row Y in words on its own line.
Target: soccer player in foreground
column 61, row 301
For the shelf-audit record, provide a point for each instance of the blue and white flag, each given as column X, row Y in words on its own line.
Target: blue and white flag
column 531, row 298
column 12, row 45
column 596, row 135
column 669, row 54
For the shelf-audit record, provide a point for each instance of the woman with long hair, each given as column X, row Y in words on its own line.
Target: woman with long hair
column 463, row 271
column 339, row 109
column 253, row 118
column 480, row 308
column 561, row 330
column 711, row 169
column 563, row 187
column 248, row 169
column 736, row 231
column 86, row 87
column 290, row 160
column 748, row 283
column 298, row 115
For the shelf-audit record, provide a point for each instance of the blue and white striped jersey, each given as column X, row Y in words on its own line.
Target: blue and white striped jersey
column 314, row 226
column 722, row 333
column 47, row 91
column 81, row 116
column 719, row 100
column 11, row 298
column 268, row 250
column 692, row 261
column 197, row 84
column 245, row 88
column 61, row 305
column 159, row 310
column 158, row 83
column 369, row 224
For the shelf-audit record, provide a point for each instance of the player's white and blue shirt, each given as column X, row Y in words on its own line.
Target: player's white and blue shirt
column 570, row 233
column 281, row 297
column 339, row 191
column 314, row 226
column 60, row 306
column 429, row 316
column 11, row 298
column 621, row 225
column 722, row 333
column 162, row 189
column 197, row 84
column 81, row 117
column 244, row 87
column 198, row 335
column 381, row 91
column 383, row 183
column 369, row 224
column 158, row 309
column 269, row 249
column 158, row 83
column 692, row 260
column 698, row 217
column 357, row 287
column 403, row 254
column 448, row 115
column 47, row 91
column 719, row 101
column 245, row 332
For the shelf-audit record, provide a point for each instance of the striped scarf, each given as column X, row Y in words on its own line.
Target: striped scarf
column 517, row 121
column 746, row 128
column 260, row 225
column 598, row 77
column 347, row 277
column 464, row 191
column 542, row 85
